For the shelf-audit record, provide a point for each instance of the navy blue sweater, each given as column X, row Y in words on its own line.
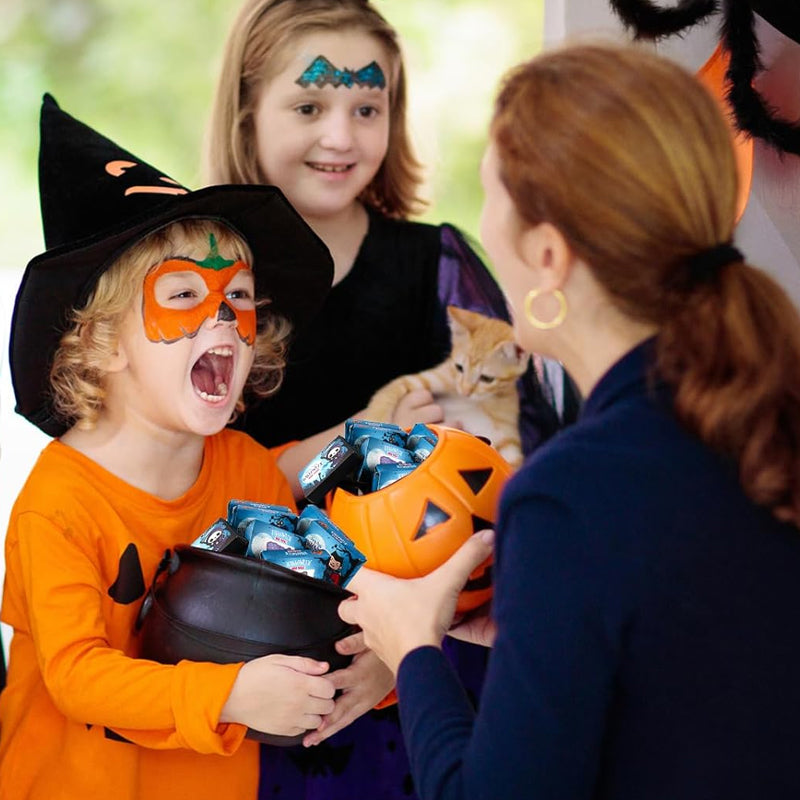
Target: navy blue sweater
column 648, row 620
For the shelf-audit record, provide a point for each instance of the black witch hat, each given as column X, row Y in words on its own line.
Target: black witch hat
column 751, row 112
column 97, row 200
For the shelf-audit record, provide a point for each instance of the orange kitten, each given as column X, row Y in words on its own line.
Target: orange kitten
column 475, row 385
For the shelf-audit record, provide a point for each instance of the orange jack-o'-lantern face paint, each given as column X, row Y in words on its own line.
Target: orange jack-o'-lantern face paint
column 180, row 294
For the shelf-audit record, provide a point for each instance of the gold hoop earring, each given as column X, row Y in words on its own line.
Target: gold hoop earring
column 535, row 321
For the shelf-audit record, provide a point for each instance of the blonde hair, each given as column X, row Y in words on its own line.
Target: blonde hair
column 628, row 156
column 77, row 377
column 255, row 52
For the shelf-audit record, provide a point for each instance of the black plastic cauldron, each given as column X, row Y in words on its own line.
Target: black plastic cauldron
column 206, row 606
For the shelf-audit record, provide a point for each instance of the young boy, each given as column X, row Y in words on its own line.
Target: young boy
column 132, row 340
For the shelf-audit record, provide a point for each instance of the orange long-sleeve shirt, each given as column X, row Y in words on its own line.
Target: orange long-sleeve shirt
column 81, row 716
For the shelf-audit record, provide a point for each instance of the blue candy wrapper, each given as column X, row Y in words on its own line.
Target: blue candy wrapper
column 423, row 449
column 240, row 512
column 340, row 556
column 375, row 451
column 356, row 430
column 302, row 561
column 335, row 464
column 421, row 433
column 263, row 535
column 220, row 537
column 387, row 474
column 313, row 514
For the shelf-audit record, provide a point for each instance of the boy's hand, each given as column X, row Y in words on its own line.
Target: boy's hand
column 282, row 695
column 363, row 684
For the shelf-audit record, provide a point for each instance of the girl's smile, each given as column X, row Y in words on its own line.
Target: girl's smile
column 333, row 169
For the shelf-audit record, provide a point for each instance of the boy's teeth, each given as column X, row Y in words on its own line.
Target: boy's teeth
column 221, row 351
column 222, row 393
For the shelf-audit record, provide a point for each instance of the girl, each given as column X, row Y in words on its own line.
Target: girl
column 312, row 98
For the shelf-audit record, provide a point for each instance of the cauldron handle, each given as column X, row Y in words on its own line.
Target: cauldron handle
column 169, row 561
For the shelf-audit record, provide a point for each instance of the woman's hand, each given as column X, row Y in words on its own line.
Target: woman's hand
column 363, row 684
column 400, row 615
column 283, row 695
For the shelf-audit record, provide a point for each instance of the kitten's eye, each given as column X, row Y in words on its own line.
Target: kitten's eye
column 459, row 367
column 486, row 379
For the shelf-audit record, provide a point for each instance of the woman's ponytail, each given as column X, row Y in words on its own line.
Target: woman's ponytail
column 732, row 354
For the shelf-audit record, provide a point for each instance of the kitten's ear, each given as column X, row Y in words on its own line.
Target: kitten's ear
column 513, row 353
column 455, row 317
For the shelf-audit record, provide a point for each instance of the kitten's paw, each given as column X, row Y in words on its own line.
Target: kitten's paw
column 513, row 455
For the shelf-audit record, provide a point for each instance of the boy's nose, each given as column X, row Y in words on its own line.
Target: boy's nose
column 225, row 313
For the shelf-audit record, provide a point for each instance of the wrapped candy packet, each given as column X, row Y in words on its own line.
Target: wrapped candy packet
column 335, row 464
column 262, row 535
column 356, row 430
column 220, row 537
column 340, row 556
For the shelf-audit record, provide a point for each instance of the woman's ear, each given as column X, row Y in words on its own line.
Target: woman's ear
column 545, row 250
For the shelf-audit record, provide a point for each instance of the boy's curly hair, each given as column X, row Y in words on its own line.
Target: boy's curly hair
column 77, row 376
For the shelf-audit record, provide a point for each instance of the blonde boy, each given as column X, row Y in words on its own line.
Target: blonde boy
column 133, row 338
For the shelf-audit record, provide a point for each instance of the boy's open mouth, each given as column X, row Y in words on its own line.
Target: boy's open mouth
column 211, row 374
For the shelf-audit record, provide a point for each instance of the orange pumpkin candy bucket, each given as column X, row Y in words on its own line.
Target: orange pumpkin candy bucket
column 410, row 527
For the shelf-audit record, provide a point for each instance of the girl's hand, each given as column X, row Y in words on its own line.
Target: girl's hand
column 399, row 615
column 476, row 627
column 417, row 406
column 282, row 695
column 363, row 684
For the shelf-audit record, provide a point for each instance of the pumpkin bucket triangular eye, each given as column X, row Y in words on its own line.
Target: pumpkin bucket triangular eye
column 476, row 478
column 432, row 516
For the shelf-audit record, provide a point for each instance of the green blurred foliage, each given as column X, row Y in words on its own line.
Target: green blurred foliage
column 143, row 74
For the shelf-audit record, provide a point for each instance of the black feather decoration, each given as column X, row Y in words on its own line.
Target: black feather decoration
column 649, row 21
column 753, row 114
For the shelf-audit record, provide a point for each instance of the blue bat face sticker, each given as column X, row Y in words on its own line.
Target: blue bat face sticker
column 320, row 72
